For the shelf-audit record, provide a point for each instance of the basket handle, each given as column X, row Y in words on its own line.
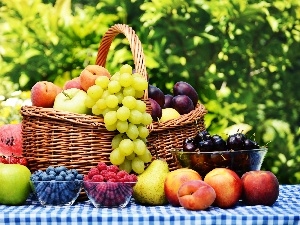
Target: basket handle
column 135, row 46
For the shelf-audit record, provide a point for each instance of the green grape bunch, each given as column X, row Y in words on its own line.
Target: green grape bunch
column 118, row 101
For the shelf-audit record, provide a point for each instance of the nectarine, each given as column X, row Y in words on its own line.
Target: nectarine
column 43, row 94
column 260, row 188
column 90, row 74
column 175, row 179
column 196, row 195
column 227, row 185
column 74, row 83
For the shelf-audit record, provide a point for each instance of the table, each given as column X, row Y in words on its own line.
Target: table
column 286, row 210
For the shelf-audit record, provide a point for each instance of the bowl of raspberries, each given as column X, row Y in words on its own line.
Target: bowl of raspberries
column 204, row 152
column 108, row 186
column 56, row 186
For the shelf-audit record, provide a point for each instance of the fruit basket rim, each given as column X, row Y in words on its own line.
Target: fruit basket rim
column 180, row 151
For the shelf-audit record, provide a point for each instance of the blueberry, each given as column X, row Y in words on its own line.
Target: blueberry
column 74, row 172
column 52, row 177
column 70, row 177
column 60, row 169
column 79, row 176
column 49, row 169
column 34, row 177
column 59, row 178
column 63, row 174
column 46, row 178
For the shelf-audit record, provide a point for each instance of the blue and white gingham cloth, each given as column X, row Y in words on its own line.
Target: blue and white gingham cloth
column 286, row 210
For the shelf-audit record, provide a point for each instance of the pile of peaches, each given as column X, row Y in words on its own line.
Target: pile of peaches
column 71, row 96
column 221, row 187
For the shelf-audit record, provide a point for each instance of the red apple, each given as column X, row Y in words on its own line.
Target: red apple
column 90, row 74
column 74, row 83
column 260, row 188
column 43, row 94
column 196, row 195
column 227, row 185
column 174, row 180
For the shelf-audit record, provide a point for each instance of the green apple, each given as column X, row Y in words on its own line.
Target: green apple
column 14, row 184
column 71, row 100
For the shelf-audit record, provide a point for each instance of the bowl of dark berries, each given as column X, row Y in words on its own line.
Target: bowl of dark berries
column 204, row 152
column 56, row 186
column 109, row 187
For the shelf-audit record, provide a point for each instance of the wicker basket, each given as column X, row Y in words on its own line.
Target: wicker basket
column 52, row 137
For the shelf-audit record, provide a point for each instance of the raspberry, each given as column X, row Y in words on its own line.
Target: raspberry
column 113, row 168
column 109, row 175
column 121, row 174
column 103, row 173
column 98, row 178
column 101, row 166
column 131, row 178
column 86, row 178
column 92, row 172
column 112, row 180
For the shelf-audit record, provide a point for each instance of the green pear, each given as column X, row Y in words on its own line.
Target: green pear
column 149, row 189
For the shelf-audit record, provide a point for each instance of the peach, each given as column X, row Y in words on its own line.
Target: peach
column 74, row 83
column 260, row 188
column 175, row 179
column 227, row 185
column 43, row 94
column 90, row 74
column 196, row 195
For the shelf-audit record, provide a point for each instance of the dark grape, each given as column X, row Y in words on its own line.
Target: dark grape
column 219, row 143
column 201, row 136
column 189, row 145
column 250, row 144
column 236, row 142
column 205, row 145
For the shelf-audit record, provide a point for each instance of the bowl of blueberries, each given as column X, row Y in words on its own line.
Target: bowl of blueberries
column 204, row 152
column 56, row 186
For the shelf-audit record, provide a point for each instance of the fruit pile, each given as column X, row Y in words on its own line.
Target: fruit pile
column 108, row 186
column 221, row 188
column 56, row 185
column 166, row 106
column 204, row 142
column 204, row 152
column 117, row 99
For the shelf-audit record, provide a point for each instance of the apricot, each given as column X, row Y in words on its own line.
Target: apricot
column 227, row 185
column 90, row 74
column 174, row 180
column 43, row 94
column 196, row 195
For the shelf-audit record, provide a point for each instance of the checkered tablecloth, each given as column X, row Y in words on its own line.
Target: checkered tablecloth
column 286, row 210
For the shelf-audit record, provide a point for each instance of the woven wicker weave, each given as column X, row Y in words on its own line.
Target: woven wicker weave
column 52, row 137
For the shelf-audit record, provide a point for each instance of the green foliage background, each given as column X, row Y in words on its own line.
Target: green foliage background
column 242, row 57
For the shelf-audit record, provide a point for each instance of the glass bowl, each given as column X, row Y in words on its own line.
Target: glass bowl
column 109, row 194
column 56, row 193
column 240, row 161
